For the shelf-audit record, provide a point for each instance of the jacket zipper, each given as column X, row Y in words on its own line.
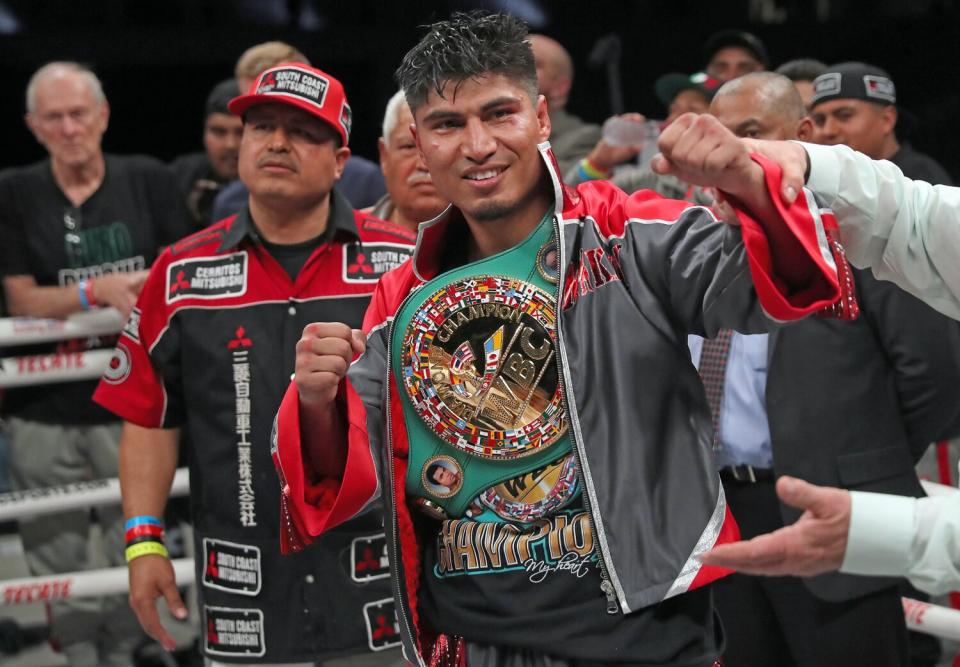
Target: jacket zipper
column 399, row 585
column 606, row 585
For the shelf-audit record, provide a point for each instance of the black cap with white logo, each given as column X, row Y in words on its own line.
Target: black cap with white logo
column 854, row 81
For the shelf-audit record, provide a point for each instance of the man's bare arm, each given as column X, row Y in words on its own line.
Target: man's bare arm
column 148, row 462
column 27, row 299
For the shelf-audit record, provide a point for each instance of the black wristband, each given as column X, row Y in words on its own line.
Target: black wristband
column 144, row 538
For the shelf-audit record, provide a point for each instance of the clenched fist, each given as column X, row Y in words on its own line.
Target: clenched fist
column 324, row 354
column 700, row 150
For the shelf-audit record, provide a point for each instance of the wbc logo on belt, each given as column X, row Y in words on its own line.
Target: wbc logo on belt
column 479, row 366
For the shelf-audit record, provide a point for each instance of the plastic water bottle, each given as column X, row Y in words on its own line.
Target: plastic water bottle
column 619, row 131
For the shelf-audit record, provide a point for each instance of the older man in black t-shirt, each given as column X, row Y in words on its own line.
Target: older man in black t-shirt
column 80, row 229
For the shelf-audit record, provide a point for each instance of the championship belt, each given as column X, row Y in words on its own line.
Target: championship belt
column 475, row 353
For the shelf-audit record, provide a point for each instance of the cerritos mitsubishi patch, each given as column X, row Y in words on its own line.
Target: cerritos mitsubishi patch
column 234, row 632
column 231, row 567
column 368, row 558
column 367, row 262
column 383, row 631
column 207, row 278
column 295, row 82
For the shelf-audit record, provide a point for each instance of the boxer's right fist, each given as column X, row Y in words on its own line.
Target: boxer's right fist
column 324, row 353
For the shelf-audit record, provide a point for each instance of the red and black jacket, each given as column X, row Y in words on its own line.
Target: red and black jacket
column 210, row 349
column 639, row 273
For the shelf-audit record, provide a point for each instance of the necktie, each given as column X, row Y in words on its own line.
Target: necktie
column 713, row 367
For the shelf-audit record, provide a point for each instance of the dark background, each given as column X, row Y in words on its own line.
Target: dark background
column 159, row 58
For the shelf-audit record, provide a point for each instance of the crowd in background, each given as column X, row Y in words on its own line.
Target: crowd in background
column 113, row 213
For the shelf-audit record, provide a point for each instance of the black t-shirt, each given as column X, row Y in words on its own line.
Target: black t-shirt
column 119, row 228
column 920, row 166
column 200, row 185
column 554, row 606
column 292, row 256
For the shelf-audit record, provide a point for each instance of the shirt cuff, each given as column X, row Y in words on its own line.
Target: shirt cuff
column 824, row 178
column 882, row 529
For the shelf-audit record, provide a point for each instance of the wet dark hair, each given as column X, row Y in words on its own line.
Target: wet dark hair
column 468, row 45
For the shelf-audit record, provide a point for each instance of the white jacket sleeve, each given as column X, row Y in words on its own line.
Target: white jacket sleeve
column 918, row 538
column 907, row 232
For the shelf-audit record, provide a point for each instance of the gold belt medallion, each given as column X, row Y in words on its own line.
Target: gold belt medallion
column 479, row 365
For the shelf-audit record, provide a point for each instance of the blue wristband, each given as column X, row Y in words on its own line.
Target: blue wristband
column 141, row 520
column 84, row 302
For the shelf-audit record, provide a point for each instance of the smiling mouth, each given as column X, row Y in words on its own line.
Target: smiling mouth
column 485, row 175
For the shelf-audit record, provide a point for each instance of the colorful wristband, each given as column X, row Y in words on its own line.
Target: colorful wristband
column 142, row 520
column 144, row 530
column 145, row 549
column 82, row 291
column 88, row 290
column 591, row 171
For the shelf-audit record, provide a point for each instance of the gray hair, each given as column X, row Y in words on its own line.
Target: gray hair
column 391, row 113
column 61, row 67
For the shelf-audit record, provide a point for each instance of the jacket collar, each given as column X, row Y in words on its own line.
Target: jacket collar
column 341, row 221
column 431, row 235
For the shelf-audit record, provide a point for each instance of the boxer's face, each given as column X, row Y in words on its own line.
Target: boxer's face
column 479, row 142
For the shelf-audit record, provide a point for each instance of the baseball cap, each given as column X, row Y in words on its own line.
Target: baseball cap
column 668, row 86
column 304, row 87
column 220, row 96
column 741, row 38
column 854, row 81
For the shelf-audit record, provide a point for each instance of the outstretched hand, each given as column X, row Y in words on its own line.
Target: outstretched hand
column 792, row 159
column 814, row 544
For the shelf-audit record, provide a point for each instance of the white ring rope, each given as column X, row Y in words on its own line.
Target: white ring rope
column 67, row 366
column 55, row 367
column 28, row 330
column 91, row 583
column 53, row 499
